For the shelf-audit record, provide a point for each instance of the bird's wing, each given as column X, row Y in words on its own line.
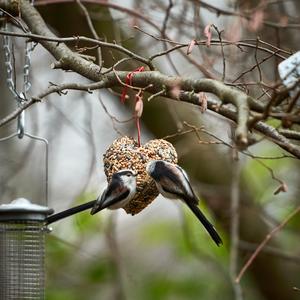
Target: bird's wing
column 114, row 193
column 201, row 217
column 193, row 198
column 175, row 181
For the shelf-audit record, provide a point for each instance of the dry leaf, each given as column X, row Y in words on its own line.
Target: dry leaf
column 284, row 21
column 207, row 33
column 256, row 20
column 175, row 91
column 282, row 188
column 190, row 47
column 203, row 101
column 235, row 32
column 138, row 109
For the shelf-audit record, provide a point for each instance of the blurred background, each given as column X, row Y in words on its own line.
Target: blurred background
column 163, row 252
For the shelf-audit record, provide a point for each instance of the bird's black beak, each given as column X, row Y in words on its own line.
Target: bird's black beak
column 95, row 210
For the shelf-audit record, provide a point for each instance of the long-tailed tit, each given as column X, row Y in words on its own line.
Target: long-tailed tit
column 120, row 190
column 173, row 183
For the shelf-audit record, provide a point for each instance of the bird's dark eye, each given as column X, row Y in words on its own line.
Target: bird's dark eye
column 128, row 174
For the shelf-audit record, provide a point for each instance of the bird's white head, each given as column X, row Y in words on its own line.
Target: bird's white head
column 150, row 166
column 127, row 176
column 155, row 166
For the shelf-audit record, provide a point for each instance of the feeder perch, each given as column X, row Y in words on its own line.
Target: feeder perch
column 124, row 153
column 22, row 250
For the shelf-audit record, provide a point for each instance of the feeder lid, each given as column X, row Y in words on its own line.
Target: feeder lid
column 23, row 209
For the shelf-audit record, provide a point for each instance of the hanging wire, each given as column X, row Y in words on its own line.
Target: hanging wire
column 21, row 97
column 45, row 141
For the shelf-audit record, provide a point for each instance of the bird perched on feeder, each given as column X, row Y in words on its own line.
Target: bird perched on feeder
column 173, row 183
column 120, row 190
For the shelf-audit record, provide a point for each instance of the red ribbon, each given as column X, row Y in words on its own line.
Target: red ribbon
column 128, row 81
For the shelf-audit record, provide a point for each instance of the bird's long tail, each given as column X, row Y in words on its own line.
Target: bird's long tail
column 208, row 226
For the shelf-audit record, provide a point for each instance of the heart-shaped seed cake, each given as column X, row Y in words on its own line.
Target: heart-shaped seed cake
column 124, row 153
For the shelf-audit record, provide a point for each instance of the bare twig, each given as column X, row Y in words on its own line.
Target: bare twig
column 290, row 134
column 243, row 245
column 15, row 20
column 51, row 41
column 167, row 15
column 264, row 242
column 195, row 129
column 92, row 29
column 114, row 251
column 222, row 52
column 249, row 43
column 234, row 227
column 112, row 118
column 50, row 90
column 160, row 93
column 244, row 15
column 272, row 134
column 258, row 63
column 281, row 182
column 293, row 102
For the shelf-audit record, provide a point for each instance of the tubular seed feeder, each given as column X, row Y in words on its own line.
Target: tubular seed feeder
column 22, row 239
column 22, row 250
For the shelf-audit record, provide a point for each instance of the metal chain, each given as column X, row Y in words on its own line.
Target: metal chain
column 8, row 64
column 8, row 60
column 9, row 68
column 27, row 63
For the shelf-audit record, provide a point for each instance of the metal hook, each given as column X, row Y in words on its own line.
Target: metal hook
column 21, row 117
column 21, row 125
